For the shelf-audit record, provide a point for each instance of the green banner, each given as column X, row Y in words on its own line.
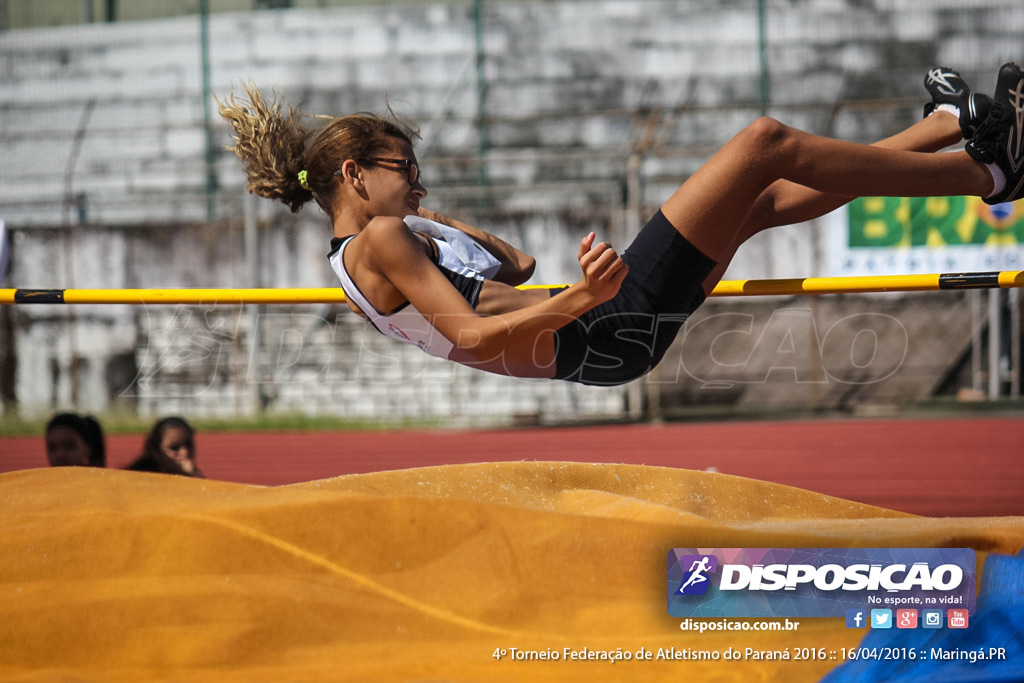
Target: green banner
column 933, row 222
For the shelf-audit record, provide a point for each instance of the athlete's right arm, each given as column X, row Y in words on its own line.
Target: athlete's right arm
column 516, row 266
column 393, row 252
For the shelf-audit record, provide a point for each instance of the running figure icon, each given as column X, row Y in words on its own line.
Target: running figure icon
column 697, row 570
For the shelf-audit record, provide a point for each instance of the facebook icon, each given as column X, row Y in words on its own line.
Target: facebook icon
column 855, row 618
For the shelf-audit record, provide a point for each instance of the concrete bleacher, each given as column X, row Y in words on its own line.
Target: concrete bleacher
column 106, row 180
column 563, row 76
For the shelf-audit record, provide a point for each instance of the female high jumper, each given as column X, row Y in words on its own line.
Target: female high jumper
column 450, row 288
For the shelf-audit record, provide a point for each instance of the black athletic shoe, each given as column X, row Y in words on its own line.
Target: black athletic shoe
column 946, row 86
column 999, row 139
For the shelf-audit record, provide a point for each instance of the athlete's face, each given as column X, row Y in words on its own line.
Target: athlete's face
column 392, row 181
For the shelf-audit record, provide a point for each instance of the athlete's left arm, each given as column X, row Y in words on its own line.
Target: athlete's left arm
column 516, row 266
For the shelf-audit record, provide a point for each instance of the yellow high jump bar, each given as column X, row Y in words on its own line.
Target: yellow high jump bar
column 314, row 295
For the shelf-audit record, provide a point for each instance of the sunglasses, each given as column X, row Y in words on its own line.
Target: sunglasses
column 411, row 170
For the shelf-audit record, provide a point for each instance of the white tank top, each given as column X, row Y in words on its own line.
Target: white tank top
column 460, row 258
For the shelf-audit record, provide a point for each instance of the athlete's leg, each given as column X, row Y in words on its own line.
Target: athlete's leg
column 711, row 207
column 787, row 203
column 989, row 122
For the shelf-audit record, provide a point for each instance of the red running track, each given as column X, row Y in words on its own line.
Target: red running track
column 935, row 467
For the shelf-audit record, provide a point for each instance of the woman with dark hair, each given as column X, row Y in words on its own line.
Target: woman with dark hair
column 169, row 448
column 74, row 440
column 449, row 288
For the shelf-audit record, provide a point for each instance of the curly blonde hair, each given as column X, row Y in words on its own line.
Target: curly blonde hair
column 274, row 146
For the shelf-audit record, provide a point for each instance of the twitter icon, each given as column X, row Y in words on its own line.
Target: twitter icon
column 881, row 618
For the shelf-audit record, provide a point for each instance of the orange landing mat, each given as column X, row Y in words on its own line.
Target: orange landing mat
column 406, row 575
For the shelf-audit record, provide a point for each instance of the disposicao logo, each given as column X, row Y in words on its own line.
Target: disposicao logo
column 696, row 580
column 817, row 582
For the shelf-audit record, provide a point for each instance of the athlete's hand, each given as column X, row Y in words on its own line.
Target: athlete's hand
column 603, row 269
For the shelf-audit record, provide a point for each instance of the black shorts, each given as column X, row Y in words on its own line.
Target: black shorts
column 622, row 339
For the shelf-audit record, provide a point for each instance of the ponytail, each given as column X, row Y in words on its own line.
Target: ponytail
column 271, row 142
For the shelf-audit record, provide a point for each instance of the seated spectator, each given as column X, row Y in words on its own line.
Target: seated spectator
column 74, row 440
column 170, row 448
